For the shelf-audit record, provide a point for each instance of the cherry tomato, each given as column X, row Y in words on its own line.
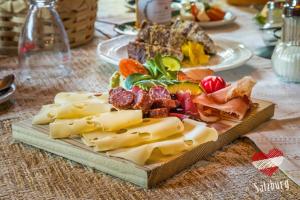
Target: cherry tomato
column 130, row 66
column 212, row 84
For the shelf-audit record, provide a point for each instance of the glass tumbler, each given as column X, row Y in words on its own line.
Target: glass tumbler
column 44, row 50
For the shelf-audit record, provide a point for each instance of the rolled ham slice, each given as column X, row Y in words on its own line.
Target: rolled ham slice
column 237, row 107
column 234, row 100
column 241, row 88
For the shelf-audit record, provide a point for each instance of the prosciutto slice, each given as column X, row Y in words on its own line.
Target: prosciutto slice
column 232, row 100
column 241, row 88
column 237, row 106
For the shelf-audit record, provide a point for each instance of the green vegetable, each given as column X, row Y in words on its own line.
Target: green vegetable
column 260, row 20
column 160, row 66
column 147, row 84
column 152, row 68
column 171, row 63
column 133, row 78
column 207, row 6
column 115, row 80
column 162, row 71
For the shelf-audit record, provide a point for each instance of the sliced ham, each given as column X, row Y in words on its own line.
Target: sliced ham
column 241, row 88
column 237, row 107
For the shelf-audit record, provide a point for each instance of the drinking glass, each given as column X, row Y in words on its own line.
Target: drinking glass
column 44, row 50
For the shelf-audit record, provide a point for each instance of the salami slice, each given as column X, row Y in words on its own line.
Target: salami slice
column 122, row 99
column 159, row 112
column 142, row 101
column 116, row 90
column 158, row 93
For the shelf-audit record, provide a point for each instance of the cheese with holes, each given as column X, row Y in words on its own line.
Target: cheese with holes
column 109, row 121
column 71, row 97
column 49, row 113
column 152, row 129
column 194, row 134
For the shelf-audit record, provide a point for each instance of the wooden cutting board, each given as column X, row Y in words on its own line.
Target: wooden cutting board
column 152, row 173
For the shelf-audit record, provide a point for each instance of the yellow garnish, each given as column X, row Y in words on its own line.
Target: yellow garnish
column 195, row 53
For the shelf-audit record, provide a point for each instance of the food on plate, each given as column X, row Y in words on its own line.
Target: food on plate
column 201, row 12
column 153, row 110
column 183, row 40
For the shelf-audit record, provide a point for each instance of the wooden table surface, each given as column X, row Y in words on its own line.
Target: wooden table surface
column 29, row 173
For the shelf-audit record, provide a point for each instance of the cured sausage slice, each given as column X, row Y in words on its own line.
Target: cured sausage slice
column 122, row 99
column 158, row 93
column 159, row 112
column 142, row 101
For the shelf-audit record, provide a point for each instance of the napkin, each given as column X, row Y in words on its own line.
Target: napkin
column 284, row 135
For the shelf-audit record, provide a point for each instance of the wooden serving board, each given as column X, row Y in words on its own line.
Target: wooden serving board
column 148, row 175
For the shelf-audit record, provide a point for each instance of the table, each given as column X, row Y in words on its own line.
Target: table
column 29, row 173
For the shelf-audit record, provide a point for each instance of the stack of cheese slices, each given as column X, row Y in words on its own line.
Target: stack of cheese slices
column 120, row 133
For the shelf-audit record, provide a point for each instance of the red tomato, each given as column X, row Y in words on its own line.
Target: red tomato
column 212, row 84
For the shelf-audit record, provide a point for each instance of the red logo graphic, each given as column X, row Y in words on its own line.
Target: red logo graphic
column 268, row 163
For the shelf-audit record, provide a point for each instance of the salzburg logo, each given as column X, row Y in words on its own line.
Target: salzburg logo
column 268, row 163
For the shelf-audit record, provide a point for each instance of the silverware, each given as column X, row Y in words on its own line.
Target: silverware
column 6, row 82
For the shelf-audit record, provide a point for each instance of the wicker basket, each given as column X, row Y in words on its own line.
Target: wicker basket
column 78, row 17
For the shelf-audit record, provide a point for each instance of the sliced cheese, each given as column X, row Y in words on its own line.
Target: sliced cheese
column 109, row 121
column 195, row 134
column 71, row 97
column 150, row 130
column 49, row 113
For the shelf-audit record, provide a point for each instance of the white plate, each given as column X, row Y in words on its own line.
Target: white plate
column 6, row 96
column 228, row 19
column 229, row 55
column 128, row 28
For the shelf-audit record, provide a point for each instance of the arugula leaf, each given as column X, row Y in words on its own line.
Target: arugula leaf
column 160, row 66
column 147, row 84
column 133, row 78
column 152, row 68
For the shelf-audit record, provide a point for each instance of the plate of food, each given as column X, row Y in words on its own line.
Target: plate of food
column 153, row 121
column 207, row 15
column 184, row 40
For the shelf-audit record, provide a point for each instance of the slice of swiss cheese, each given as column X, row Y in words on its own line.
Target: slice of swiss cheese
column 152, row 129
column 49, row 113
column 109, row 121
column 71, row 97
column 194, row 134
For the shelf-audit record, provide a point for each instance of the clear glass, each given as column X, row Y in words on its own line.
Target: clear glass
column 286, row 56
column 44, row 50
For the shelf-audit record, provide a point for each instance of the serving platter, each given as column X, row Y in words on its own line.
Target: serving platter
column 150, row 174
column 230, row 54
